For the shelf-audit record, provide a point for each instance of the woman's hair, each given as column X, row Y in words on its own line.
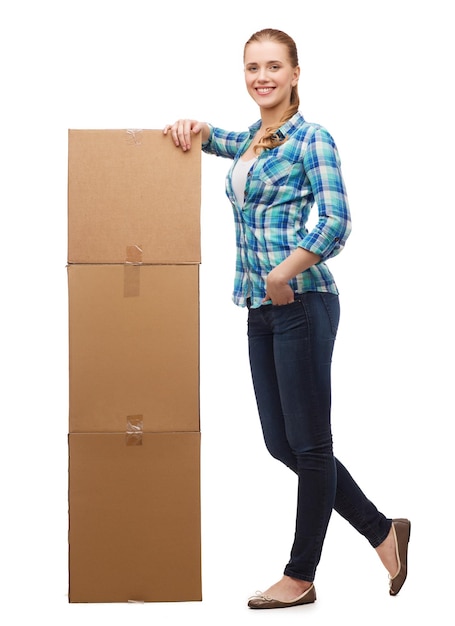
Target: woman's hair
column 270, row 138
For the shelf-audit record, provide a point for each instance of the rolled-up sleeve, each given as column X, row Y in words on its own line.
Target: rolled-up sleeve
column 322, row 167
column 224, row 143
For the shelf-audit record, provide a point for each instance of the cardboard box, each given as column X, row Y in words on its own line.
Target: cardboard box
column 134, row 442
column 132, row 197
column 133, row 347
column 134, row 518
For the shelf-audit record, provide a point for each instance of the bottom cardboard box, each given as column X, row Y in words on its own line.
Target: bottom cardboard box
column 134, row 517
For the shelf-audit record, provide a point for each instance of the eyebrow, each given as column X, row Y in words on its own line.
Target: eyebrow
column 267, row 62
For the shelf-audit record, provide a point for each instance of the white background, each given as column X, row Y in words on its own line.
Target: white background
column 378, row 76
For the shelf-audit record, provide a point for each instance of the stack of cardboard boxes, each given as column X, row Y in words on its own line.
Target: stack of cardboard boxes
column 134, row 435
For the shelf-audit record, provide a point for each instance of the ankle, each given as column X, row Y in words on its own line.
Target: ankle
column 288, row 588
column 297, row 584
column 387, row 552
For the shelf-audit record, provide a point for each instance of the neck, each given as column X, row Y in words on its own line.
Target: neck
column 268, row 121
column 272, row 117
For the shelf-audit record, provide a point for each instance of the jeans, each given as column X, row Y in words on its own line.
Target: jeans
column 290, row 349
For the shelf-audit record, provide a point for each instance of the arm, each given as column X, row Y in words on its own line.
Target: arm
column 222, row 143
column 278, row 289
column 182, row 129
column 327, row 239
column 323, row 169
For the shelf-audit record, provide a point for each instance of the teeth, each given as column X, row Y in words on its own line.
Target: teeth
column 264, row 90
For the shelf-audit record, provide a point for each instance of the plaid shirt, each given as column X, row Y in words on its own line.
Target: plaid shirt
column 282, row 186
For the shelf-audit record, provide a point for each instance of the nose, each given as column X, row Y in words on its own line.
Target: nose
column 262, row 75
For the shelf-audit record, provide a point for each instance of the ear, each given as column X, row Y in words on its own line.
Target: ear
column 296, row 75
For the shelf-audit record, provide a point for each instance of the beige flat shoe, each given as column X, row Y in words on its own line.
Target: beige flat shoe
column 402, row 531
column 261, row 601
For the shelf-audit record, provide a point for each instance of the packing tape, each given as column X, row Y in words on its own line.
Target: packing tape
column 134, row 430
column 131, row 281
column 133, row 255
column 131, row 278
column 134, row 136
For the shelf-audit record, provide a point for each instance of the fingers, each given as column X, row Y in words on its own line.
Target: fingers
column 181, row 132
column 279, row 295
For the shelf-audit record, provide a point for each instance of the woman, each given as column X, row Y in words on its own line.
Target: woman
column 281, row 167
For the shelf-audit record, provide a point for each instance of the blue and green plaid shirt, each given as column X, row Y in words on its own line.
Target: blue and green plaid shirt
column 282, row 186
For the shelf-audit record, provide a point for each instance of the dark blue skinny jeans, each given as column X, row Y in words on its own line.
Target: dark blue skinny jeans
column 290, row 348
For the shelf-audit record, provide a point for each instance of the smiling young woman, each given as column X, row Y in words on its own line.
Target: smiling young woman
column 269, row 78
column 282, row 167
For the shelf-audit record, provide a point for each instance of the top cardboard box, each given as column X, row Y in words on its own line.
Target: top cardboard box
column 133, row 197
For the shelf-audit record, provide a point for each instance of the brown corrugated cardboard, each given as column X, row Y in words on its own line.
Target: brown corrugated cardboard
column 132, row 196
column 134, row 518
column 133, row 273
column 133, row 347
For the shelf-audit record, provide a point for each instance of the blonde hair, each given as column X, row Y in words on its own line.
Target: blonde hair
column 270, row 139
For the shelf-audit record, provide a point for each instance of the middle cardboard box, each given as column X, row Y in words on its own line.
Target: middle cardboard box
column 133, row 348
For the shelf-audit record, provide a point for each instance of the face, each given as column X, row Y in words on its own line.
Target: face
column 269, row 75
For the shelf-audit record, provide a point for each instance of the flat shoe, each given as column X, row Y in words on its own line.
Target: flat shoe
column 261, row 601
column 402, row 532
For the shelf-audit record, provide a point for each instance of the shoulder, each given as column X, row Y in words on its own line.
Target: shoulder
column 306, row 132
column 299, row 137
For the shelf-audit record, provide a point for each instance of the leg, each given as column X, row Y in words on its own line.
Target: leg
column 273, row 367
column 290, row 354
column 267, row 391
column 273, row 426
column 352, row 504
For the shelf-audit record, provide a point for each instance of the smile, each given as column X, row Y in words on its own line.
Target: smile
column 263, row 91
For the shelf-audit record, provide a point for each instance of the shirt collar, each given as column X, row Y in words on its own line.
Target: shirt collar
column 286, row 129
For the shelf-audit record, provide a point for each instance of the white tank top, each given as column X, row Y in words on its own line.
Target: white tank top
column 239, row 175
